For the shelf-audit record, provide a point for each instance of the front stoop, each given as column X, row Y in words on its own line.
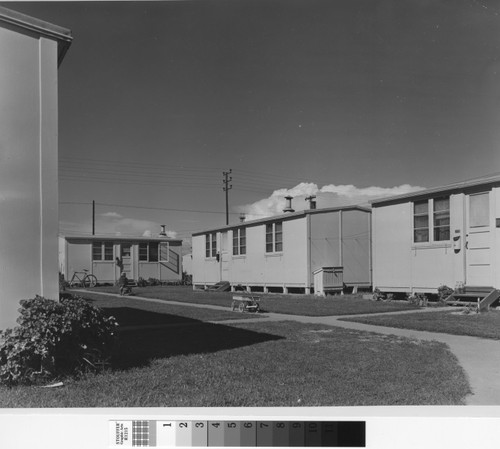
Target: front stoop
column 480, row 296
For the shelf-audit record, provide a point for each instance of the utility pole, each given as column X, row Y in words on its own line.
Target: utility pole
column 93, row 217
column 227, row 179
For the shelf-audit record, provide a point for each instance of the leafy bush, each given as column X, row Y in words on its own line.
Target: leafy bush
column 153, row 282
column 141, row 282
column 378, row 295
column 55, row 339
column 63, row 283
column 443, row 292
column 418, row 299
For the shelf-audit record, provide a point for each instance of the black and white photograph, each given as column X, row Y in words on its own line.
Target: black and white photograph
column 287, row 204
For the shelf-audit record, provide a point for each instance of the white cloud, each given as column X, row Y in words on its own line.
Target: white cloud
column 326, row 196
column 111, row 223
column 111, row 214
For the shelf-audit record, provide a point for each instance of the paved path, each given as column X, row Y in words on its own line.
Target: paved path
column 479, row 357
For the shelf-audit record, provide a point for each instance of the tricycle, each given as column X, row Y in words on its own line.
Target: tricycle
column 247, row 303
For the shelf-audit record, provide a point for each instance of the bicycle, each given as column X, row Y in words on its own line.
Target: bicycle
column 86, row 281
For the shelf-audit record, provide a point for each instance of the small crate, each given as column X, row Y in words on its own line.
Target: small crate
column 328, row 280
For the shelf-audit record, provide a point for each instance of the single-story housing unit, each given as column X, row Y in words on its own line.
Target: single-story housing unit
column 282, row 253
column 30, row 53
column 107, row 256
column 441, row 236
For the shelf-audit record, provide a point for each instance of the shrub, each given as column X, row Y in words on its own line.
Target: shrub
column 378, row 295
column 141, row 282
column 55, row 339
column 63, row 283
column 153, row 282
column 443, row 292
column 418, row 299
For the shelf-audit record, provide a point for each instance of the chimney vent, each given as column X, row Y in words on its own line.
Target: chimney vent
column 288, row 207
column 312, row 201
column 242, row 218
column 163, row 232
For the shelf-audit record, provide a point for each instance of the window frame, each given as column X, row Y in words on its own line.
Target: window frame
column 432, row 227
column 146, row 256
column 274, row 237
column 239, row 242
column 100, row 251
column 475, row 220
column 210, row 245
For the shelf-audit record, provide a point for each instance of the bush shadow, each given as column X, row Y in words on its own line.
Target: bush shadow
column 143, row 336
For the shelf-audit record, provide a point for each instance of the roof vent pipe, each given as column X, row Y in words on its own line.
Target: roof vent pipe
column 242, row 218
column 163, row 232
column 312, row 202
column 288, row 207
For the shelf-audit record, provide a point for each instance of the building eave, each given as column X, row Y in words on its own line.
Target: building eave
column 282, row 217
column 485, row 182
column 61, row 35
column 118, row 238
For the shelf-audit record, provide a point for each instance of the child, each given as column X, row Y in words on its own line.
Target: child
column 123, row 284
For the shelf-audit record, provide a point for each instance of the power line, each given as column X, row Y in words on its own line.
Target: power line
column 151, row 208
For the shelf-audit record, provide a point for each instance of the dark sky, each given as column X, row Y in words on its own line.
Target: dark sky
column 158, row 99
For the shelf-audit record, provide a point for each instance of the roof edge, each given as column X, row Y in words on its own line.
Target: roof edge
column 122, row 237
column 50, row 30
column 286, row 216
column 486, row 180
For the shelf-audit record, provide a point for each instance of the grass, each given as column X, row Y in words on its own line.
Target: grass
column 484, row 325
column 135, row 312
column 308, row 305
column 261, row 364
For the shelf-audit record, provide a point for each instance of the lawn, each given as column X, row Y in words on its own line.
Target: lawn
column 485, row 325
column 135, row 312
column 261, row 364
column 308, row 305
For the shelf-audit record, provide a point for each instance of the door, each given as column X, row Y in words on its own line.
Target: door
column 478, row 240
column 126, row 259
column 224, row 257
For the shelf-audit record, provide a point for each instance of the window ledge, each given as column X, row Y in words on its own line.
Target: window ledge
column 274, row 254
column 240, row 256
column 431, row 245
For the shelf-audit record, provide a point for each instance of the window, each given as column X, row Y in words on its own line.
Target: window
column 479, row 210
column 439, row 229
column 108, row 251
column 211, row 245
column 274, row 237
column 97, row 251
column 214, row 244
column 239, row 241
column 164, row 250
column 441, row 219
column 102, row 251
column 148, row 252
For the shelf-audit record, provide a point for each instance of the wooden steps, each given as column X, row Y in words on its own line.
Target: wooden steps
column 479, row 296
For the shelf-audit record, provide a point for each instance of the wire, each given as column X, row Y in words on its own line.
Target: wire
column 152, row 208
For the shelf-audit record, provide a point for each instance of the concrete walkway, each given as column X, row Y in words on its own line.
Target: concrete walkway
column 479, row 357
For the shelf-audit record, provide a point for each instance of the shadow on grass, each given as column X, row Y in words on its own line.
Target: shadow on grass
column 139, row 341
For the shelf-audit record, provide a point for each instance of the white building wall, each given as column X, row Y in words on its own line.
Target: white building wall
column 401, row 265
column 495, row 213
column 258, row 268
column 28, row 171
column 392, row 236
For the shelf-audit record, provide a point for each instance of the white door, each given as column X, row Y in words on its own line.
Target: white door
column 126, row 258
column 224, row 257
column 478, row 240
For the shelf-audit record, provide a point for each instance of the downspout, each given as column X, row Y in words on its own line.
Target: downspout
column 341, row 258
column 370, row 262
column 308, row 249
